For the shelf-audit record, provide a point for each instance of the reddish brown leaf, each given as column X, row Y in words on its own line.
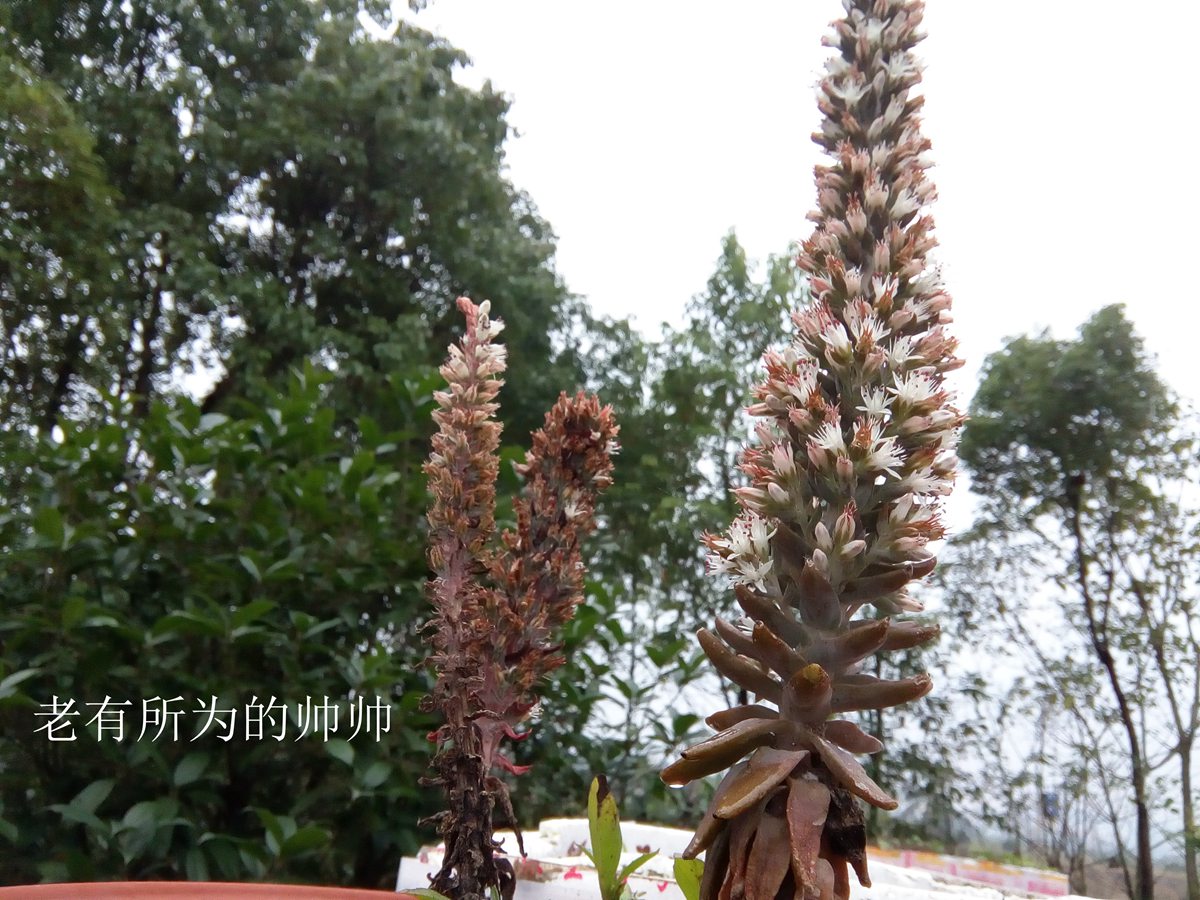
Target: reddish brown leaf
column 807, row 806
column 768, row 861
column 710, row 826
column 850, row 737
column 738, row 669
column 721, row 750
column 726, row 717
column 851, row 775
column 764, row 770
column 877, row 693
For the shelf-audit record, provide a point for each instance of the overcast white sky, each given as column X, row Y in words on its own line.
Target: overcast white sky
column 1063, row 135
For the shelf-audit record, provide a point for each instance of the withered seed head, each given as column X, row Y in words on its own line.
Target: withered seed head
column 498, row 608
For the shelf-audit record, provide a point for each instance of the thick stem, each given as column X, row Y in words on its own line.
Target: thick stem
column 469, row 865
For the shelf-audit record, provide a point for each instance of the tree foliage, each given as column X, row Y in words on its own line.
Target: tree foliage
column 260, row 207
column 222, row 558
column 1083, row 463
column 283, row 188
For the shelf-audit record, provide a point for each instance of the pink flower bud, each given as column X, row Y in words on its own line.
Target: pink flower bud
column 822, row 537
column 845, row 468
column 852, row 549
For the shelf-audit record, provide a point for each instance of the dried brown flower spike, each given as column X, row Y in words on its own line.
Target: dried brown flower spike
column 853, row 453
column 498, row 608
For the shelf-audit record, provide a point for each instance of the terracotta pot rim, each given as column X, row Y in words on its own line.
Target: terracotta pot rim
column 187, row 890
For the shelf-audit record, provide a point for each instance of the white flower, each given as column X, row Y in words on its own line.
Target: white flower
column 835, row 337
column 905, row 202
column 875, row 195
column 752, row 574
column 749, row 538
column 739, row 539
column 881, row 286
column 925, row 481
column 899, row 66
column 915, row 388
column 900, row 352
column 864, row 325
column 718, row 564
column 884, row 456
column 876, row 403
column 901, row 512
column 829, row 437
column 760, row 536
column 849, row 91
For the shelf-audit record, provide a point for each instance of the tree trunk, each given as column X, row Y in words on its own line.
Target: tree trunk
column 1191, row 839
column 1144, row 881
column 72, row 349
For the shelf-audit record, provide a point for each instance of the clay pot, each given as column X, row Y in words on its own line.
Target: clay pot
column 189, row 890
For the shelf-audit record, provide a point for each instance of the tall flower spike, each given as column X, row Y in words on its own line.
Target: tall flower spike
column 498, row 608
column 855, row 451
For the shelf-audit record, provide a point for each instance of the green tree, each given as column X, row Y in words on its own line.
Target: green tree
column 285, row 189
column 238, row 557
column 211, row 198
column 1075, row 448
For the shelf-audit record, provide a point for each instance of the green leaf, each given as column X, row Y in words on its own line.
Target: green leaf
column 303, row 840
column 187, row 622
column 8, row 686
column 76, row 814
column 604, row 825
column 48, row 525
column 341, row 750
column 195, row 865
column 688, row 874
column 250, row 566
column 190, row 768
column 376, row 774
column 251, row 611
column 636, row 864
column 93, row 795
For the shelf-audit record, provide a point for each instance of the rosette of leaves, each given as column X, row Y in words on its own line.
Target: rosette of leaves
column 854, row 450
column 499, row 604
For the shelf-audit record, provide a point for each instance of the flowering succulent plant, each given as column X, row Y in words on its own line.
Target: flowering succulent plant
column 498, row 608
column 854, row 450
